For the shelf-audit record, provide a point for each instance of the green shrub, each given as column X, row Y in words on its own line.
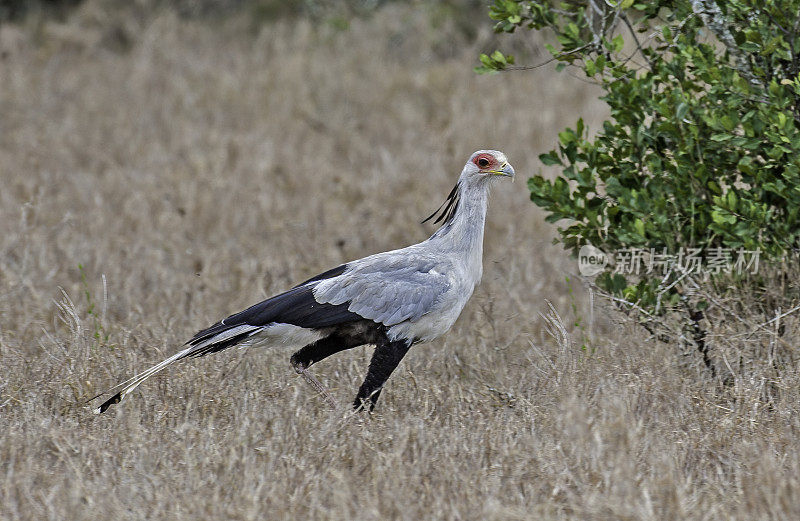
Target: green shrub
column 699, row 159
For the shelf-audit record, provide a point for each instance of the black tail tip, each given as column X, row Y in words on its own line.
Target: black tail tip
column 108, row 403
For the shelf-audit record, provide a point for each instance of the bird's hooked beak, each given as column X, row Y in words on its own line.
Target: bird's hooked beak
column 506, row 170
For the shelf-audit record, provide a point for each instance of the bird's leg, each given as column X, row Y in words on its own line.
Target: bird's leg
column 315, row 352
column 385, row 359
column 316, row 384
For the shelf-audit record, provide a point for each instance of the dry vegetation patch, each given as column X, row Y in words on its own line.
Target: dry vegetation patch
column 152, row 187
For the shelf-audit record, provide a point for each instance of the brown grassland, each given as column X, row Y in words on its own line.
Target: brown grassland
column 160, row 173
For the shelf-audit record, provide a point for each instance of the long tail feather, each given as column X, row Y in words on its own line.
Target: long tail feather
column 114, row 388
column 137, row 380
column 216, row 343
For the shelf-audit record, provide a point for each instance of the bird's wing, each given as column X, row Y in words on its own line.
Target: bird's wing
column 387, row 288
column 296, row 307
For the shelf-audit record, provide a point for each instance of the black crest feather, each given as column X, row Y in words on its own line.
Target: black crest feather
column 448, row 208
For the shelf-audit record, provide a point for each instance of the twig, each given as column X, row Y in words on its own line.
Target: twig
column 550, row 60
column 768, row 322
column 636, row 39
column 649, row 317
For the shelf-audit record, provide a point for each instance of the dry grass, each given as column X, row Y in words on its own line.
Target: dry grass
column 196, row 170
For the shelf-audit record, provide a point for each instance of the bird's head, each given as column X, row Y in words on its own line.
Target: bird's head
column 485, row 165
column 482, row 167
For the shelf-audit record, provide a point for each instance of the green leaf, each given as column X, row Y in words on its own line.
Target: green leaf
column 681, row 111
column 728, row 123
column 723, row 217
column 721, row 137
column 732, row 200
column 617, row 43
column 498, row 57
column 550, row 158
column 572, row 31
column 618, row 283
column 566, row 137
column 639, row 225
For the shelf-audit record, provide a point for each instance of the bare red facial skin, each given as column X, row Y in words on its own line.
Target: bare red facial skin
column 484, row 161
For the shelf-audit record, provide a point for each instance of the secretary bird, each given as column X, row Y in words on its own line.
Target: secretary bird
column 393, row 299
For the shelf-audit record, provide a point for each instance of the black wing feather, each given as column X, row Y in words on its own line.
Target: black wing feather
column 335, row 272
column 296, row 306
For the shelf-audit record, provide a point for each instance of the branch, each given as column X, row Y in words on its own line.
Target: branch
column 709, row 12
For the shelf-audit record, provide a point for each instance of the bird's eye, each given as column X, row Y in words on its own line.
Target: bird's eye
column 483, row 162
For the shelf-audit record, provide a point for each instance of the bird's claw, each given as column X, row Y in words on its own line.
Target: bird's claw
column 313, row 382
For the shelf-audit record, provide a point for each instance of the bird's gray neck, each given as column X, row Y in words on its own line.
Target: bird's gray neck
column 463, row 233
